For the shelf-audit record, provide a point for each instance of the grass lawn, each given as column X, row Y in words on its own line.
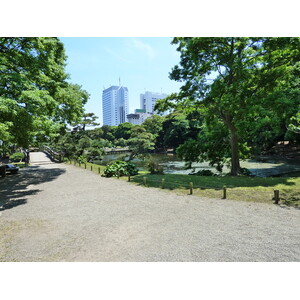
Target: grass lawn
column 254, row 189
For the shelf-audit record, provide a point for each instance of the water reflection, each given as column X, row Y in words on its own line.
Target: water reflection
column 267, row 166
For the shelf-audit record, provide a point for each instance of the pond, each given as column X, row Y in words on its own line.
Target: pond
column 266, row 166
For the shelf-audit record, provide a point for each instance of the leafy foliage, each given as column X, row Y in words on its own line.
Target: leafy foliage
column 140, row 142
column 88, row 119
column 203, row 173
column 35, row 98
column 123, row 131
column 120, row 168
column 244, row 85
column 82, row 159
column 79, row 144
column 154, row 167
column 17, row 156
column 295, row 123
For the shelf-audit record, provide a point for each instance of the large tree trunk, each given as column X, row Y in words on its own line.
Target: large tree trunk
column 234, row 143
column 235, row 157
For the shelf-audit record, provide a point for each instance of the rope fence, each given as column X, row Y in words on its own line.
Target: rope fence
column 163, row 183
column 224, row 192
column 190, row 186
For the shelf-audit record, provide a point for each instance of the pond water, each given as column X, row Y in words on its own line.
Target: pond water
column 266, row 166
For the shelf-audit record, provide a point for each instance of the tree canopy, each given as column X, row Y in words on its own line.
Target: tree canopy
column 140, row 141
column 87, row 120
column 239, row 86
column 36, row 99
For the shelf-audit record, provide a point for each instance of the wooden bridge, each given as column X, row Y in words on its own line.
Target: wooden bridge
column 40, row 158
column 117, row 150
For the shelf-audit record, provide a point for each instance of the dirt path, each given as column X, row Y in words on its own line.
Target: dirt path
column 58, row 212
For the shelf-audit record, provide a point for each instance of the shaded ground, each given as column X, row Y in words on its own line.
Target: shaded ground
column 72, row 214
column 14, row 188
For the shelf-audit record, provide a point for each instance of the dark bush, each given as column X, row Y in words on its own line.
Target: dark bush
column 245, row 172
column 204, row 173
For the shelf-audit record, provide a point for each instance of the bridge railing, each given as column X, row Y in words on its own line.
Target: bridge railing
column 117, row 150
column 54, row 155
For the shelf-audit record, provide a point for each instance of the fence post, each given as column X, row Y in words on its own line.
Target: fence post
column 145, row 181
column 191, row 188
column 128, row 178
column 91, row 167
column 98, row 170
column 3, row 170
column 163, row 183
column 224, row 192
column 276, row 196
column 85, row 166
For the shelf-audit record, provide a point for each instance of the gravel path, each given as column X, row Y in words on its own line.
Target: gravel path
column 58, row 212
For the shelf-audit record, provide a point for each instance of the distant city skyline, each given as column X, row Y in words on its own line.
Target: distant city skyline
column 140, row 64
column 115, row 106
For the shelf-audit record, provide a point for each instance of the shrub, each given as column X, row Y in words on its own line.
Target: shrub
column 204, row 173
column 120, row 168
column 245, row 172
column 17, row 156
column 154, row 167
column 82, row 159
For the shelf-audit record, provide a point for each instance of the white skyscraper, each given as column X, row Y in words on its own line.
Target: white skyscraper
column 115, row 105
column 148, row 101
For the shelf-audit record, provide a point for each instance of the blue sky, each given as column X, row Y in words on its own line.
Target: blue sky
column 142, row 64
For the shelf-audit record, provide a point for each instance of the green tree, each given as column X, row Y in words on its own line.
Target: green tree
column 210, row 144
column 175, row 130
column 34, row 92
column 87, row 120
column 70, row 110
column 294, row 125
column 108, row 132
column 154, row 124
column 140, row 142
column 95, row 133
column 67, row 144
column 233, row 80
column 121, row 142
column 123, row 130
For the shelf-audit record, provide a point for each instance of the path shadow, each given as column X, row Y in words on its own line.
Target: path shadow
column 15, row 190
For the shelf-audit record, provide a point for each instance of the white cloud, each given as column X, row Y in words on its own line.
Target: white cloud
column 147, row 49
column 116, row 55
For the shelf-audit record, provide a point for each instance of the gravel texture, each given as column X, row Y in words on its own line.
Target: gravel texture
column 59, row 212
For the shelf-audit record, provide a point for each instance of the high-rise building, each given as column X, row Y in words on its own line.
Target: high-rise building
column 148, row 101
column 115, row 105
